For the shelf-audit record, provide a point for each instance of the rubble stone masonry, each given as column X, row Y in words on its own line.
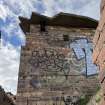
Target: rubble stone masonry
column 50, row 71
column 56, row 65
column 99, row 49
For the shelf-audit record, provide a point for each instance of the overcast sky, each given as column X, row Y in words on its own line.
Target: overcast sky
column 13, row 37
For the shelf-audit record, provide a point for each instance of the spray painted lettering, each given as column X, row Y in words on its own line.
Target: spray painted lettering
column 50, row 61
column 83, row 49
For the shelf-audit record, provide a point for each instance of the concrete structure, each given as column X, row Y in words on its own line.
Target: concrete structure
column 56, row 64
column 99, row 49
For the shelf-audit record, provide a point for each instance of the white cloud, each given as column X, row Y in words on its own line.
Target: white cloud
column 9, row 65
column 20, row 7
column 92, row 9
column 3, row 11
column 81, row 7
column 9, row 12
column 51, row 7
column 25, row 7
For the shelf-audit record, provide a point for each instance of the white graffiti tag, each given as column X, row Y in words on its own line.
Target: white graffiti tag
column 83, row 49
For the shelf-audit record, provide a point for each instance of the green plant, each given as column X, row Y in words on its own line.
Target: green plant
column 84, row 100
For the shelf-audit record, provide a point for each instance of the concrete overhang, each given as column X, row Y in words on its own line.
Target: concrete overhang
column 61, row 19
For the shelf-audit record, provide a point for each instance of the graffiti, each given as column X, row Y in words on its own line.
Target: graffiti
column 49, row 61
column 35, row 82
column 70, row 100
column 53, row 66
column 83, row 50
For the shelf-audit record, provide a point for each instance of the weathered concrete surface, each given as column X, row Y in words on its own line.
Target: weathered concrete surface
column 99, row 49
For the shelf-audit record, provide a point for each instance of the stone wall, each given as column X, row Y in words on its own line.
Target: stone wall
column 56, row 66
column 5, row 99
column 99, row 49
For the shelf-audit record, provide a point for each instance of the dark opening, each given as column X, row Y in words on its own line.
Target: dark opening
column 65, row 37
column 42, row 26
column 92, row 50
column 0, row 34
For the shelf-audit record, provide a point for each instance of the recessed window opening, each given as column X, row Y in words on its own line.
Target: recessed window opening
column 42, row 26
column 65, row 37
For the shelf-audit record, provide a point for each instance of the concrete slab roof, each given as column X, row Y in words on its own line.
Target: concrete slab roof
column 61, row 19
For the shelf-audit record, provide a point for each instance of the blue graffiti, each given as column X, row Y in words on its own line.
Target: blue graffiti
column 83, row 49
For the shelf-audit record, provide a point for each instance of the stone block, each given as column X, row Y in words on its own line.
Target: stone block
column 102, row 75
column 96, row 38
